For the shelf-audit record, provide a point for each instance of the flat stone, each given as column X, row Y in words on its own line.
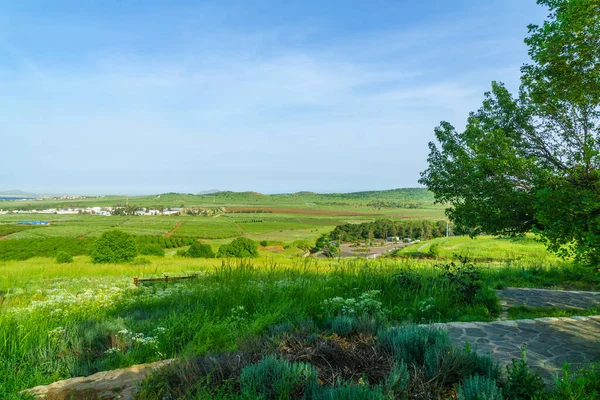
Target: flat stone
column 117, row 384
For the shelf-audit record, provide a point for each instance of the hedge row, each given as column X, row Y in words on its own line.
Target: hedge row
column 23, row 249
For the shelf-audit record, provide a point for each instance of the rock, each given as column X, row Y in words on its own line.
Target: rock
column 115, row 384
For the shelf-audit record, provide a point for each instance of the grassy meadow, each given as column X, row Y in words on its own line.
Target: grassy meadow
column 64, row 320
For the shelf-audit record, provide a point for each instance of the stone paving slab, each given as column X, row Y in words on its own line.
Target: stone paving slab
column 536, row 298
column 550, row 341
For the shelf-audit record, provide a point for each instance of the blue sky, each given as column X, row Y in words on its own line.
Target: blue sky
column 144, row 97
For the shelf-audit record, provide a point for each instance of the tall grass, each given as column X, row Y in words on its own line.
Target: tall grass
column 79, row 326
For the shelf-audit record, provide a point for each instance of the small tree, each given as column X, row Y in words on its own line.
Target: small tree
column 63, row 258
column 152, row 250
column 434, row 250
column 114, row 247
column 200, row 250
column 240, row 247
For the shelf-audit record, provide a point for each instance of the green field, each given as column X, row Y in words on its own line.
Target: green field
column 521, row 250
column 64, row 320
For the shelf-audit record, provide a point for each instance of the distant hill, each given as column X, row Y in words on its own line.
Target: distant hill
column 16, row 193
column 408, row 198
column 211, row 191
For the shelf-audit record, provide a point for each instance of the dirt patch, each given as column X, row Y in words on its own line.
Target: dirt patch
column 274, row 249
column 172, row 231
column 339, row 359
column 349, row 251
column 4, row 237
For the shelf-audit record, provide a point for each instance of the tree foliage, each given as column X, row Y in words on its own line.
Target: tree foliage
column 383, row 228
column 63, row 258
column 200, row 250
column 152, row 249
column 532, row 161
column 240, row 247
column 114, row 247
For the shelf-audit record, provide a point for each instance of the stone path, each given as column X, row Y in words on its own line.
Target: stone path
column 550, row 341
column 512, row 297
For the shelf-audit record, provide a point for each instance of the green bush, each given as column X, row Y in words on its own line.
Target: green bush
column 114, row 247
column 479, row 388
column 264, row 243
column 521, row 382
column 410, row 343
column 488, row 298
column 274, row 378
column 450, row 365
column 24, row 249
column 152, row 250
column 181, row 252
column 240, row 247
column 140, row 261
column 343, row 325
column 200, row 250
column 347, row 392
column 434, row 250
column 583, row 384
column 63, row 258
column 465, row 277
column 398, row 379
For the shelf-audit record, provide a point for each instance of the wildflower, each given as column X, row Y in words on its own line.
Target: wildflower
column 112, row 350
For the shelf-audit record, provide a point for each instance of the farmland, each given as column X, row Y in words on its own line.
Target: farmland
column 63, row 320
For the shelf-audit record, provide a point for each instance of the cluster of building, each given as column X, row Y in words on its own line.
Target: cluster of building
column 96, row 211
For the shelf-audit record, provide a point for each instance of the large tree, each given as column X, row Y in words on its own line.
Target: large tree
column 532, row 161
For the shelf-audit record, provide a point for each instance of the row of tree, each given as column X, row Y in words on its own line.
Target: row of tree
column 384, row 228
column 119, row 247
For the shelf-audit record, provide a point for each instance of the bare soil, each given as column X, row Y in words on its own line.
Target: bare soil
column 172, row 231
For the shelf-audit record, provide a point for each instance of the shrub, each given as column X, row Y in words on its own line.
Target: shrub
column 200, row 250
column 398, row 379
column 465, row 277
column 181, row 252
column 489, row 299
column 240, row 247
column 410, row 343
column 274, row 378
column 152, row 250
column 114, row 247
column 343, row 325
column 347, row 392
column 264, row 243
column 24, row 249
column 521, row 382
column 434, row 250
column 140, row 261
column 582, row 385
column 63, row 258
column 479, row 388
column 450, row 365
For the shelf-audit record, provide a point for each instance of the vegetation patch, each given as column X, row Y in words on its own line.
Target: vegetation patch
column 114, row 247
